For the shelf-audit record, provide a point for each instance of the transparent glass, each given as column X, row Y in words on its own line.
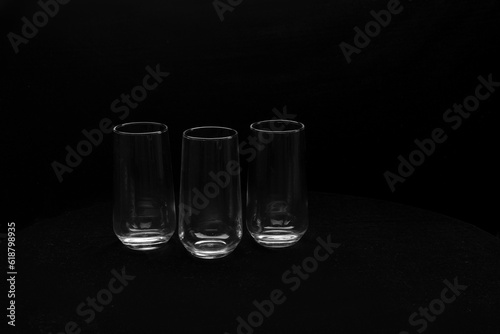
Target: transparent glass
column 144, row 203
column 210, row 213
column 277, row 209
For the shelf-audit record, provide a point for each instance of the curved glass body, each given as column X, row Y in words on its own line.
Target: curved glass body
column 144, row 202
column 210, row 218
column 277, row 209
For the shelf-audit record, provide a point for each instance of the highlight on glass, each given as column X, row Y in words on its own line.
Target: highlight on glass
column 210, row 212
column 144, row 204
column 277, row 208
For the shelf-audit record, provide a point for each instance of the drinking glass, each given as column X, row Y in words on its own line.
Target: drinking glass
column 144, row 202
column 210, row 218
column 277, row 212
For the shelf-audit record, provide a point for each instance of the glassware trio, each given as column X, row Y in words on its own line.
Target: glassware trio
column 210, row 209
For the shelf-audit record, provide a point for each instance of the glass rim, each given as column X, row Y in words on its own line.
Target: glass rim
column 162, row 128
column 300, row 126
column 233, row 134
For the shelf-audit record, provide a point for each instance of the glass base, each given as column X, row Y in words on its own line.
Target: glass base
column 210, row 249
column 144, row 241
column 277, row 238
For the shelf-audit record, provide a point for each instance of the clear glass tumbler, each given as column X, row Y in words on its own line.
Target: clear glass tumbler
column 210, row 213
column 144, row 203
column 277, row 211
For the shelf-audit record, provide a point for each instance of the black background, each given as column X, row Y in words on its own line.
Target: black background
column 265, row 54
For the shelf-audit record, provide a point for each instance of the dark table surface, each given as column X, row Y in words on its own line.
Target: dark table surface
column 388, row 264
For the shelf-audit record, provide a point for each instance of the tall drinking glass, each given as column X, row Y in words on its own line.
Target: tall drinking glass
column 144, row 203
column 210, row 218
column 277, row 212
